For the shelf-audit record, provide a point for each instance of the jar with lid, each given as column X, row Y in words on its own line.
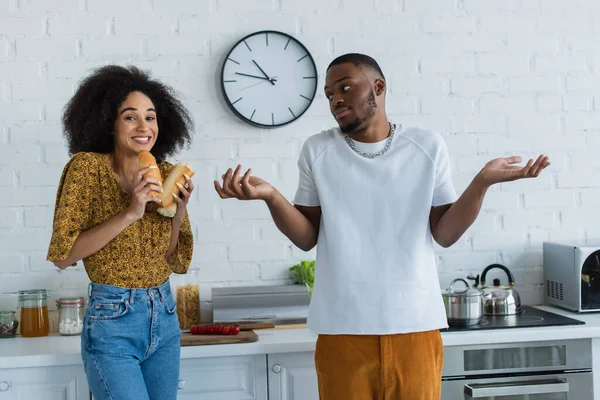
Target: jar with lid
column 34, row 313
column 8, row 324
column 70, row 315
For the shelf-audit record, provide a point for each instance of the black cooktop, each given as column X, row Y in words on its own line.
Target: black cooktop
column 529, row 317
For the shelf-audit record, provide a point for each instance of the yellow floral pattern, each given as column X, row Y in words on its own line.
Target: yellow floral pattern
column 89, row 194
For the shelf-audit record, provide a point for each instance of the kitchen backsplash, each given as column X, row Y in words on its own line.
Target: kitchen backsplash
column 495, row 78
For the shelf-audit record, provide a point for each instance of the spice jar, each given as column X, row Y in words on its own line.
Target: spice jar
column 34, row 313
column 8, row 324
column 70, row 315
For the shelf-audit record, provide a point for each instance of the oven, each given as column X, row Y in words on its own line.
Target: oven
column 557, row 370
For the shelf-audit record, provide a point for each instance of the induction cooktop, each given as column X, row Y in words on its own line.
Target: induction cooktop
column 529, row 317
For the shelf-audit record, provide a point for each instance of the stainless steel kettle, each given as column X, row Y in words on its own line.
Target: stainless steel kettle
column 499, row 299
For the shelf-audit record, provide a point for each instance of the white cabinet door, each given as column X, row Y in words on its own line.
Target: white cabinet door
column 292, row 376
column 223, row 378
column 45, row 383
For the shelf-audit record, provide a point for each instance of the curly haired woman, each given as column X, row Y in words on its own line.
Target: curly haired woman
column 105, row 216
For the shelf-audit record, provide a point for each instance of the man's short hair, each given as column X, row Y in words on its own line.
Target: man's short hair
column 360, row 60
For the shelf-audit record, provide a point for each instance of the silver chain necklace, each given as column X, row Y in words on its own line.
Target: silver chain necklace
column 372, row 155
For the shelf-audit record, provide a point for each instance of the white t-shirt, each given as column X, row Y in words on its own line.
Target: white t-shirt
column 376, row 271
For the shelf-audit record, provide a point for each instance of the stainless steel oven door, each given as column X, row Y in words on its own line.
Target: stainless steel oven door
column 576, row 386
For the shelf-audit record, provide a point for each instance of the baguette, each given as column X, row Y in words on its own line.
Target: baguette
column 170, row 188
column 168, row 212
column 147, row 160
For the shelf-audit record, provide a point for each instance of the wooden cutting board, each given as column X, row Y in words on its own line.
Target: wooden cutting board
column 291, row 326
column 201, row 340
column 252, row 326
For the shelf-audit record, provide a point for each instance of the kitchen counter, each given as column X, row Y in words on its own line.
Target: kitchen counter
column 65, row 350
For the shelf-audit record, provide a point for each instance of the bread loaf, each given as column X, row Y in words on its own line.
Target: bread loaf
column 168, row 211
column 176, row 176
column 147, row 160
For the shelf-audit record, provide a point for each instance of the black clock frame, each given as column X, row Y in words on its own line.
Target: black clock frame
column 230, row 104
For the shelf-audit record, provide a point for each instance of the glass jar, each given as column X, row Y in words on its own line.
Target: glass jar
column 8, row 324
column 70, row 315
column 187, row 297
column 34, row 313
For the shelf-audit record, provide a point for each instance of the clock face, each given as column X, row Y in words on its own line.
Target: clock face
column 269, row 79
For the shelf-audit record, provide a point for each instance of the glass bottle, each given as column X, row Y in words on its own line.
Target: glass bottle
column 34, row 313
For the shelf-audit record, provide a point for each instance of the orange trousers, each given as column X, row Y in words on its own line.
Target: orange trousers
column 388, row 367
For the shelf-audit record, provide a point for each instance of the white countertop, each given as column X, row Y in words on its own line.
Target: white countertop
column 65, row 350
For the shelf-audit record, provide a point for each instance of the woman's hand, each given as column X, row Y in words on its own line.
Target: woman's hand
column 182, row 200
column 140, row 197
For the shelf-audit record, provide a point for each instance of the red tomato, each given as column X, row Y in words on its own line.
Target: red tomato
column 209, row 329
column 226, row 330
column 235, row 330
column 193, row 330
column 201, row 330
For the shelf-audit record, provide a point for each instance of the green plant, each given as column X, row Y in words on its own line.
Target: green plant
column 304, row 273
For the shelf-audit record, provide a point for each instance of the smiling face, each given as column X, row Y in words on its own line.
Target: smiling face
column 136, row 127
column 355, row 95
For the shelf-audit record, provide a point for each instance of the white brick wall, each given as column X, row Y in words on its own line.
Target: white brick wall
column 494, row 77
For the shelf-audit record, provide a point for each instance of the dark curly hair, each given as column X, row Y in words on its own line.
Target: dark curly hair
column 89, row 117
column 360, row 60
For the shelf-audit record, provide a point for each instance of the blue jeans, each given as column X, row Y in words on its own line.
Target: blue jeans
column 130, row 343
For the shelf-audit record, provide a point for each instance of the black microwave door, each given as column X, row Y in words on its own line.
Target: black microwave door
column 590, row 282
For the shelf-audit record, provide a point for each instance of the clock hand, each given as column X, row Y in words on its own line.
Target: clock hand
column 253, row 76
column 256, row 84
column 261, row 70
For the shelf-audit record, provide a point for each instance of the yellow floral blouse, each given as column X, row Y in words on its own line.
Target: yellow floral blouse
column 89, row 194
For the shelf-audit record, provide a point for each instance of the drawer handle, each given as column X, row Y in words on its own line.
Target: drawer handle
column 181, row 385
column 513, row 389
column 4, row 386
column 276, row 368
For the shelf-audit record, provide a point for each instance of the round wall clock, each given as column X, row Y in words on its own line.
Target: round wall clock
column 269, row 79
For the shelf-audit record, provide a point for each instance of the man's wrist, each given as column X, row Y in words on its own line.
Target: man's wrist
column 273, row 197
column 480, row 184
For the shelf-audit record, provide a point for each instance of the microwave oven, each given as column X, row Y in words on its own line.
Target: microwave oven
column 572, row 276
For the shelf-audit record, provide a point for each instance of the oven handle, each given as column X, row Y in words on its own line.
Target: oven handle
column 530, row 387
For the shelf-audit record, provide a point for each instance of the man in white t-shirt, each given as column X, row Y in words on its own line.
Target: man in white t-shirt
column 373, row 195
